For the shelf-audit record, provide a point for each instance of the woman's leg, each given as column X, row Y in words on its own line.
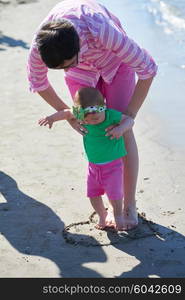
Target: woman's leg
column 131, row 163
column 118, row 95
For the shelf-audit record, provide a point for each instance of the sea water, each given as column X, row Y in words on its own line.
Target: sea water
column 159, row 27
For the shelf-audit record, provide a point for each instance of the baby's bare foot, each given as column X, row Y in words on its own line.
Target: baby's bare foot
column 100, row 226
column 102, row 222
column 130, row 218
column 110, row 221
column 119, row 226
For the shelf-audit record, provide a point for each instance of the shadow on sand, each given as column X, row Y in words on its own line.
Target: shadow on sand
column 158, row 250
column 33, row 228
column 159, row 253
column 10, row 42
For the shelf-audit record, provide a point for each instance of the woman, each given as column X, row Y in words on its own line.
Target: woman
column 89, row 43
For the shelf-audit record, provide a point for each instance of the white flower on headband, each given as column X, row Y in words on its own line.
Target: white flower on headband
column 95, row 108
column 80, row 112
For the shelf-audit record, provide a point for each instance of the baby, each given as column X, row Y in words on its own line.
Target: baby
column 104, row 154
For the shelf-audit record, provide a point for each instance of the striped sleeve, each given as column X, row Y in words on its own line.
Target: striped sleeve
column 37, row 71
column 113, row 38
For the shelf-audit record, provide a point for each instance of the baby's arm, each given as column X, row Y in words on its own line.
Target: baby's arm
column 64, row 114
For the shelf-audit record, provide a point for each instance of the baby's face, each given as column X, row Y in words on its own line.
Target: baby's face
column 94, row 118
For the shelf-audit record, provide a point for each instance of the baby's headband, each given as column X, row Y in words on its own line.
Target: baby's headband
column 80, row 112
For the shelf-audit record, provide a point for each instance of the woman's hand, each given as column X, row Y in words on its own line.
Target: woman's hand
column 116, row 131
column 77, row 126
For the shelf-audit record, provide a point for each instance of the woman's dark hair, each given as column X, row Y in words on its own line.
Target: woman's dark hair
column 57, row 41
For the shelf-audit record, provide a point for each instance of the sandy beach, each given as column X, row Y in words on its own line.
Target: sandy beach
column 42, row 182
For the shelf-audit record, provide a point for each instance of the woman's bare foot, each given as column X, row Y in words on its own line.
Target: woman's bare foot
column 130, row 218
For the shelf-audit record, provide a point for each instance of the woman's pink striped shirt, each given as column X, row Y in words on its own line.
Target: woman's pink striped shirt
column 104, row 47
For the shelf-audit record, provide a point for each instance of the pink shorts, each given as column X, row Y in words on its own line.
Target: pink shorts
column 106, row 179
column 118, row 93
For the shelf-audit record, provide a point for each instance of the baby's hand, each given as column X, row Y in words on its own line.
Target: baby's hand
column 46, row 121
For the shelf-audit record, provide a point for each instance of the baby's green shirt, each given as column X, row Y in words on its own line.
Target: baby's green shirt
column 100, row 148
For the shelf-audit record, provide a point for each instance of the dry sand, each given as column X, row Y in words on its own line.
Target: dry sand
column 42, row 182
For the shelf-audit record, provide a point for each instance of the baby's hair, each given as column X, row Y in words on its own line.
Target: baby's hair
column 88, row 96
